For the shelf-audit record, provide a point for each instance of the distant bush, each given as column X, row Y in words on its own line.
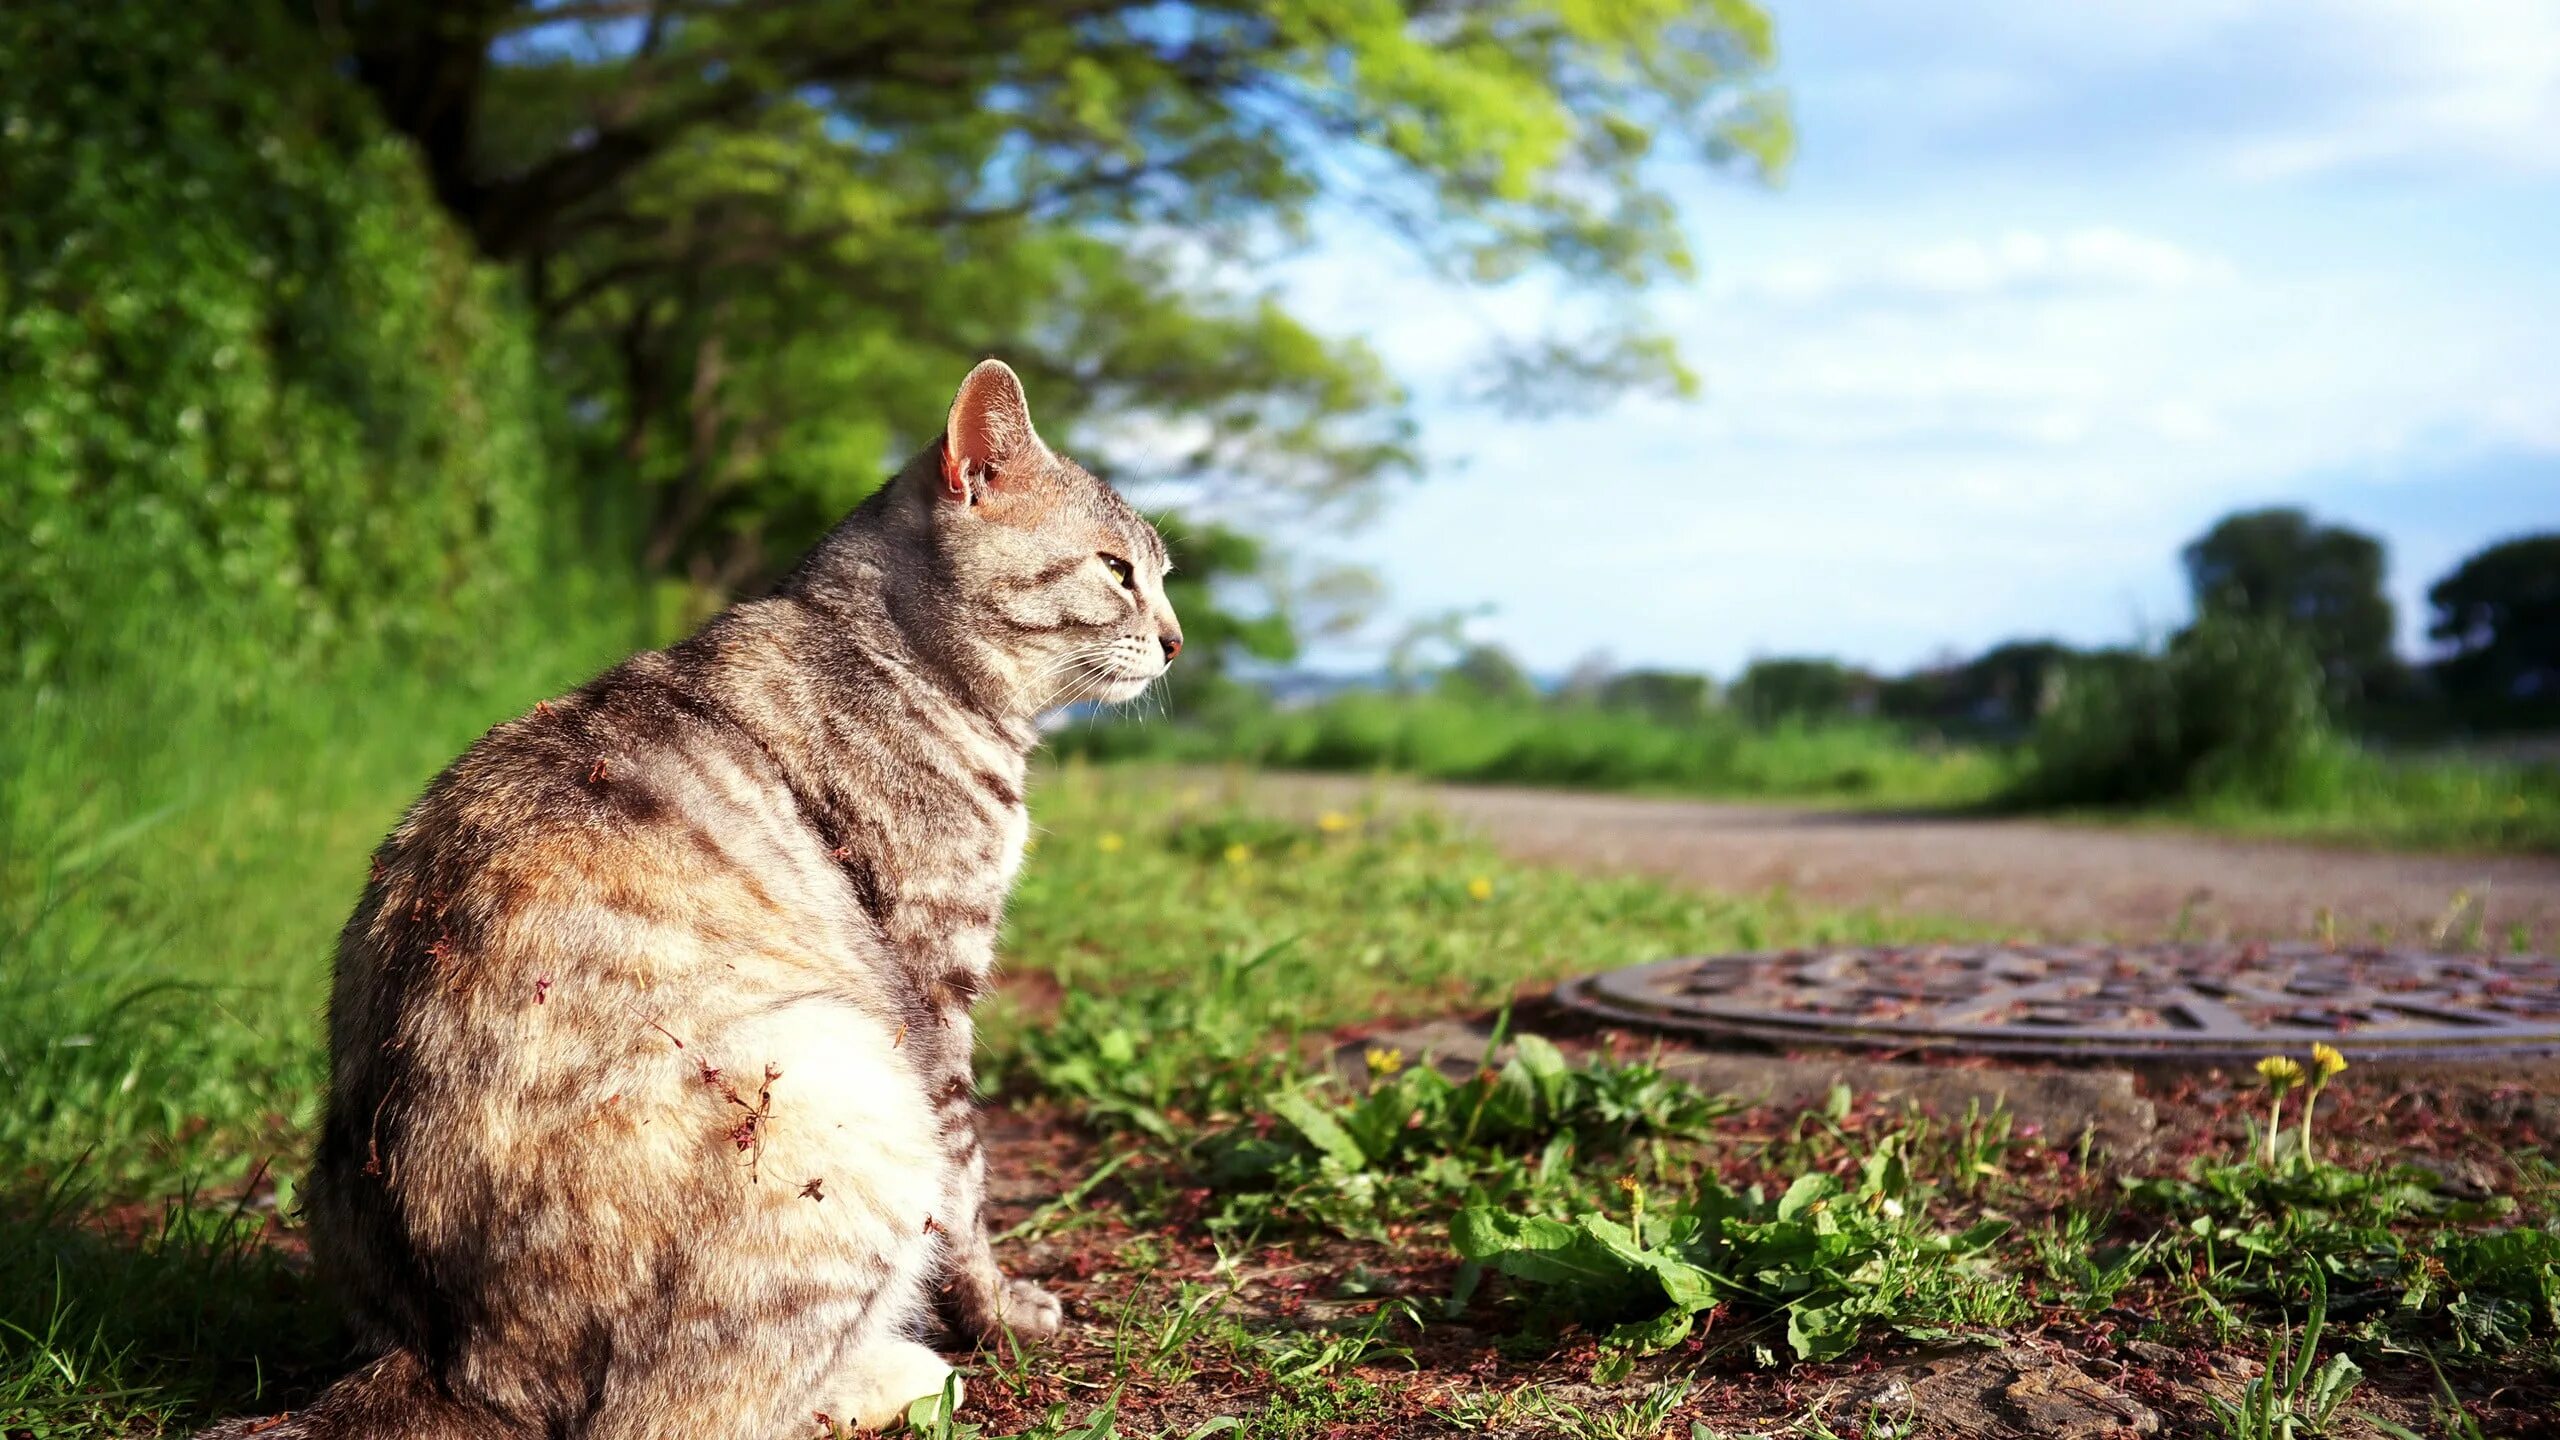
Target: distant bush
column 1452, row 737
column 255, row 387
column 1801, row 689
column 2231, row 709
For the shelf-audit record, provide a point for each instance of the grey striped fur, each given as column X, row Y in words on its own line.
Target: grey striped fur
column 650, row 1110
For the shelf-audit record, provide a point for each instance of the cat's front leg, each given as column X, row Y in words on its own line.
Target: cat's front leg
column 980, row 1302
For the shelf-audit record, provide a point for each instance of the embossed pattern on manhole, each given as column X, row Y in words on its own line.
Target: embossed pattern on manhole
column 2200, row 1002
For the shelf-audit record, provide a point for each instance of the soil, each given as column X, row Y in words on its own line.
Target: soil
column 2053, row 880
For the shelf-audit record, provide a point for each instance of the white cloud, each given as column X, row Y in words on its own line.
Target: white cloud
column 2082, row 262
column 2262, row 89
column 2056, row 285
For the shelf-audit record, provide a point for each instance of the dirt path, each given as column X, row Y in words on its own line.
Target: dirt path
column 2054, row 879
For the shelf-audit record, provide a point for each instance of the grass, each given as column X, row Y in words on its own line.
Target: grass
column 1441, row 737
column 2332, row 791
column 1253, row 1243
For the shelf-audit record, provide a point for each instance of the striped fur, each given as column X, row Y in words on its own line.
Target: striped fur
column 650, row 1109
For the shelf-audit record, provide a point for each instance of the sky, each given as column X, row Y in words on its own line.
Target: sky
column 2046, row 289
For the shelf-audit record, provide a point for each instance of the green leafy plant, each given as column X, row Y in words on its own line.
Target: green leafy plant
column 1831, row 1258
column 2290, row 1397
column 1352, row 1162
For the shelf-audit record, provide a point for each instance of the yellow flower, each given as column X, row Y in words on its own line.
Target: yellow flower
column 1111, row 842
column 1384, row 1061
column 1333, row 822
column 2281, row 1072
column 1238, row 853
column 1480, row 888
column 2326, row 1059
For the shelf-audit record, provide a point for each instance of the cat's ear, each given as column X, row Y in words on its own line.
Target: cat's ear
column 989, row 439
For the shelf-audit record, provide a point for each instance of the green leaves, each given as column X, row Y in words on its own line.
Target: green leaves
column 1833, row 1261
column 767, row 238
column 1319, row 1129
column 1418, row 1138
column 262, row 402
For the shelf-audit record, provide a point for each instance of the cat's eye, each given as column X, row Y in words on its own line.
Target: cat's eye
column 1121, row 572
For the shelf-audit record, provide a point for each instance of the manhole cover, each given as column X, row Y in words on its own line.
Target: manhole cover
column 2198, row 1002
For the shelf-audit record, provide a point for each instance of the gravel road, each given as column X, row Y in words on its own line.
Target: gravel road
column 2058, row 880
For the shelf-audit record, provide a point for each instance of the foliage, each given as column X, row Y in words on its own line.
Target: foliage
column 260, row 397
column 2387, row 1238
column 2288, row 1397
column 1444, row 737
column 1666, row 695
column 2232, row 707
column 1223, row 587
column 1487, row 672
column 1832, row 1258
column 765, row 237
column 1771, row 692
column 1417, row 1139
column 2000, row 692
column 2498, row 614
column 2322, row 582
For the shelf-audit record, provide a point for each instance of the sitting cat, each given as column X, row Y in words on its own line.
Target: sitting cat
column 650, row 1108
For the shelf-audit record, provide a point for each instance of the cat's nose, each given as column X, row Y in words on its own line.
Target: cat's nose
column 1172, row 643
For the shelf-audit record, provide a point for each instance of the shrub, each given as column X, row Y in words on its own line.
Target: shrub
column 2232, row 708
column 254, row 381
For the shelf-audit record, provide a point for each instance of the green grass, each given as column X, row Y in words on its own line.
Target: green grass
column 2331, row 791
column 1264, row 1241
column 1583, row 747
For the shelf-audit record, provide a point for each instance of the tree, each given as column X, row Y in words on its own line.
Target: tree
column 1999, row 692
column 2322, row 581
column 764, row 233
column 1488, row 672
column 1674, row 696
column 2498, row 617
column 1221, row 587
column 1772, row 691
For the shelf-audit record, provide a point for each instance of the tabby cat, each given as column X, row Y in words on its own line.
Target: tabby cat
column 650, row 1109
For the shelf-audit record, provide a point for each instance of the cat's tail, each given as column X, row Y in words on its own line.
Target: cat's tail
column 394, row 1398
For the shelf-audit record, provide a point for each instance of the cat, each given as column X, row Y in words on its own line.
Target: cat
column 650, row 1104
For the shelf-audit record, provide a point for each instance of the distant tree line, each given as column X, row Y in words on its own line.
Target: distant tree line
column 2495, row 620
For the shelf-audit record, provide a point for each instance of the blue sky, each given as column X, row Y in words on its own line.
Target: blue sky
column 2047, row 289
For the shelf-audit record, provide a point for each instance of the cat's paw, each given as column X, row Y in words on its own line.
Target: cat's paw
column 1031, row 1312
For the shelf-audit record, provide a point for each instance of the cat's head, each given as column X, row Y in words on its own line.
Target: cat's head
column 1053, row 571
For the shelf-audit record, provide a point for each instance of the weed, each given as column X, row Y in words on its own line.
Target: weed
column 1643, row 1418
column 2289, row 1397
column 1418, row 1140
column 1828, row 1258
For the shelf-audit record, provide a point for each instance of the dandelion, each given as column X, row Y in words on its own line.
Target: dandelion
column 1384, row 1060
column 2326, row 1062
column 1480, row 888
column 2281, row 1073
column 1111, row 842
column 1333, row 822
column 1239, row 853
column 1635, row 1207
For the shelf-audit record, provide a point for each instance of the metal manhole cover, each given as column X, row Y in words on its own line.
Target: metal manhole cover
column 2190, row 1002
